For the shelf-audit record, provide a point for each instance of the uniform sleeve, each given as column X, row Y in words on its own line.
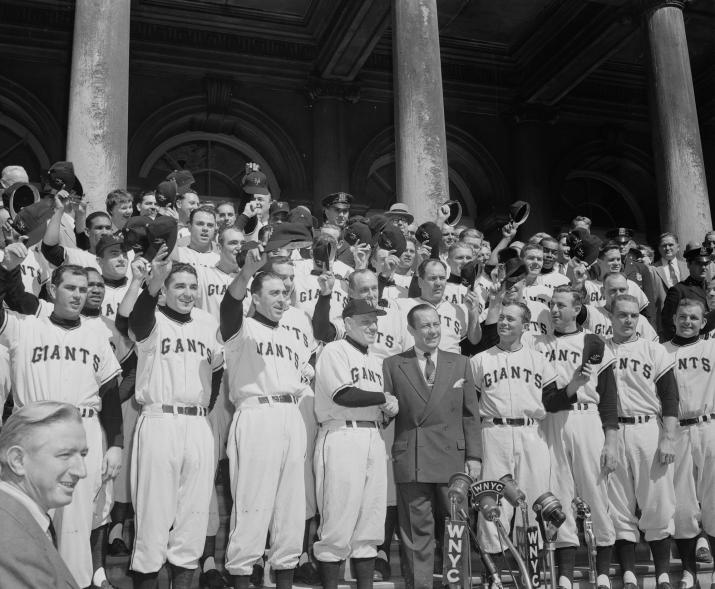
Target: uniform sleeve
column 110, row 417
column 332, row 372
column 54, row 254
column 142, row 319
column 12, row 291
column 108, row 367
column 9, row 328
column 475, row 365
column 231, row 316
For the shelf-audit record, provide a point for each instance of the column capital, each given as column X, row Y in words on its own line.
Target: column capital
column 320, row 88
column 648, row 6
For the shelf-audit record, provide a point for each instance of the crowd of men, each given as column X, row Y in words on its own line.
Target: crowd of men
column 334, row 371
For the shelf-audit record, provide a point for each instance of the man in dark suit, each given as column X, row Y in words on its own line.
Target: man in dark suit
column 437, row 433
column 667, row 271
column 42, row 450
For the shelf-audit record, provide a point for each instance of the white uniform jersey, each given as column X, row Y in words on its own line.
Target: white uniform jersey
column 482, row 286
column 452, row 317
column 553, row 279
column 262, row 359
column 600, row 321
column 510, row 384
column 595, row 297
column 638, row 367
column 565, row 353
column 306, row 291
column 695, row 373
column 402, row 284
column 306, row 265
column 212, row 286
column 176, row 361
column 455, row 293
column 186, row 255
column 540, row 323
column 341, row 365
column 299, row 329
column 34, row 270
column 113, row 295
column 55, row 363
column 121, row 346
column 391, row 331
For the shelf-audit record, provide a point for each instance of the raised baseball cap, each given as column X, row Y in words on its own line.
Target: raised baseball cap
column 392, row 239
column 431, row 235
column 357, row 233
column 360, row 307
column 107, row 241
column 254, row 181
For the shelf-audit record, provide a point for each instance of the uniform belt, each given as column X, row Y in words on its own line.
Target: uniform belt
column 87, row 412
column 276, row 399
column 581, row 406
column 513, row 421
column 699, row 419
column 636, row 419
column 362, row 423
column 181, row 410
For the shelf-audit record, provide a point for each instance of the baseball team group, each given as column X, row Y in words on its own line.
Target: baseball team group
column 334, row 371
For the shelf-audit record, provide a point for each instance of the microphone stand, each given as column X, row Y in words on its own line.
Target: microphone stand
column 549, row 533
column 489, row 566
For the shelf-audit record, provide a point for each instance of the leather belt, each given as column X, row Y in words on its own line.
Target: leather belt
column 180, row 410
column 636, row 419
column 87, row 412
column 699, row 419
column 362, row 423
column 581, row 406
column 513, row 421
column 276, row 399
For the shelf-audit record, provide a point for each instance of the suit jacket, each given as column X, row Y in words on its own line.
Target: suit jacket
column 660, row 274
column 435, row 430
column 687, row 288
column 28, row 559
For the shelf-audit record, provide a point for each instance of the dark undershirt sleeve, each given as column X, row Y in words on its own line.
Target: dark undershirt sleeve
column 582, row 314
column 111, row 414
column 129, row 377
column 54, row 254
column 215, row 386
column 355, row 397
column 142, row 318
column 555, row 399
column 122, row 324
column 231, row 316
column 12, row 290
column 667, row 389
column 323, row 329
column 608, row 405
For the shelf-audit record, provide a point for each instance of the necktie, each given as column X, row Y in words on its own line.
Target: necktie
column 53, row 533
column 673, row 273
column 429, row 369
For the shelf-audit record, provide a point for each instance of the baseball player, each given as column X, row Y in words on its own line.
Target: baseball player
column 512, row 380
column 535, row 289
column 202, row 230
column 179, row 369
column 351, row 468
column 214, row 280
column 63, row 358
column 550, row 275
column 113, row 263
column 581, row 432
column 695, row 448
column 648, row 418
column 609, row 261
column 267, row 440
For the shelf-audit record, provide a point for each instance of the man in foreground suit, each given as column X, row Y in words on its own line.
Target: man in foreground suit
column 42, row 451
column 437, row 433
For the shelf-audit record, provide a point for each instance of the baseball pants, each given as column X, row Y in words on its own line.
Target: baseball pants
column 266, row 453
column 122, row 486
column 306, row 405
column 575, row 440
column 220, row 422
column 172, row 477
column 695, row 480
column 351, row 487
column 518, row 450
column 640, row 479
column 74, row 522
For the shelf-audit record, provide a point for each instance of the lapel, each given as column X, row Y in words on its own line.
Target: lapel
column 444, row 369
column 411, row 370
column 660, row 270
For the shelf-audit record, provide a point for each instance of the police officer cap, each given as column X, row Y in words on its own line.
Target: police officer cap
column 697, row 252
column 620, row 234
column 337, row 198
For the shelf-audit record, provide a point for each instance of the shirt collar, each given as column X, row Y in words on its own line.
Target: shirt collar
column 42, row 519
column 421, row 353
column 360, row 347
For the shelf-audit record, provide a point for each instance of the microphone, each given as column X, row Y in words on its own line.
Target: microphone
column 489, row 508
column 511, row 492
column 459, row 484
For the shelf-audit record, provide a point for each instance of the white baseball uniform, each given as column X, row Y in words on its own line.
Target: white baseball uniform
column 600, row 321
column 213, row 283
column 596, row 298
column 187, row 255
column 639, row 477
column 306, row 291
column 350, row 459
column 510, row 386
column 453, row 318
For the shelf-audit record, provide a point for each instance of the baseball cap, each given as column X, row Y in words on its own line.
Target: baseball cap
column 391, row 238
column 357, row 233
column 254, row 181
column 278, row 207
column 360, row 307
column 429, row 234
column 61, row 176
column 107, row 241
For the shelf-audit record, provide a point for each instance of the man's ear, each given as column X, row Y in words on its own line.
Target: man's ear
column 16, row 460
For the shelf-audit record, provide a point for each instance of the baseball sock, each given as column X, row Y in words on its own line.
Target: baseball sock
column 145, row 580
column 329, row 573
column 626, row 556
column 181, row 578
column 660, row 549
column 686, row 549
column 208, row 555
column 98, row 544
column 363, row 569
column 603, row 562
column 565, row 562
column 241, row 581
column 284, row 578
column 390, row 525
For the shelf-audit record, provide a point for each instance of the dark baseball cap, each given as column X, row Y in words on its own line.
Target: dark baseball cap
column 360, row 307
column 357, row 233
column 107, row 241
column 392, row 239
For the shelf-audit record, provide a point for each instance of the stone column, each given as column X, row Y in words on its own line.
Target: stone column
column 680, row 173
column 421, row 144
column 99, row 97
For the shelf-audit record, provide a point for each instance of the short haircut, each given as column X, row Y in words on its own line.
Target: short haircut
column 548, row 238
column 89, row 222
column 646, row 250
column 530, row 247
column 59, row 273
column 626, row 298
column 460, row 245
column 422, row 268
column 357, row 274
column 117, row 197
column 511, row 301
column 226, row 203
column 202, row 209
column 607, row 247
column 666, row 234
column 413, row 240
column 561, row 235
column 222, row 231
column 576, row 296
column 187, row 193
column 332, row 227
column 142, row 193
column 610, row 275
column 471, row 232
column 538, row 237
column 177, row 267
column 418, row 309
column 686, row 302
column 21, row 427
column 89, row 269
column 271, row 263
column 260, row 278
column 580, row 219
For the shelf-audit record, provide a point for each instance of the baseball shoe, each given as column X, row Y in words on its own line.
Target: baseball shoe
column 383, row 571
column 682, row 585
column 257, row 575
column 702, row 554
column 664, row 585
column 603, row 587
column 631, row 586
column 118, row 548
column 212, row 579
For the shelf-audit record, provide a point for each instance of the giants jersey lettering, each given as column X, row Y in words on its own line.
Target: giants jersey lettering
column 565, row 353
column 299, row 329
column 34, row 270
column 306, row 291
column 695, row 373
column 188, row 256
column 455, row 293
column 391, row 330
column 212, row 286
column 343, row 365
column 121, row 346
column 176, row 360
column 639, row 364
column 510, row 383
column 452, row 317
column 600, row 322
column 265, row 360
column 113, row 295
column 594, row 292
column 50, row 362
column 540, row 323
